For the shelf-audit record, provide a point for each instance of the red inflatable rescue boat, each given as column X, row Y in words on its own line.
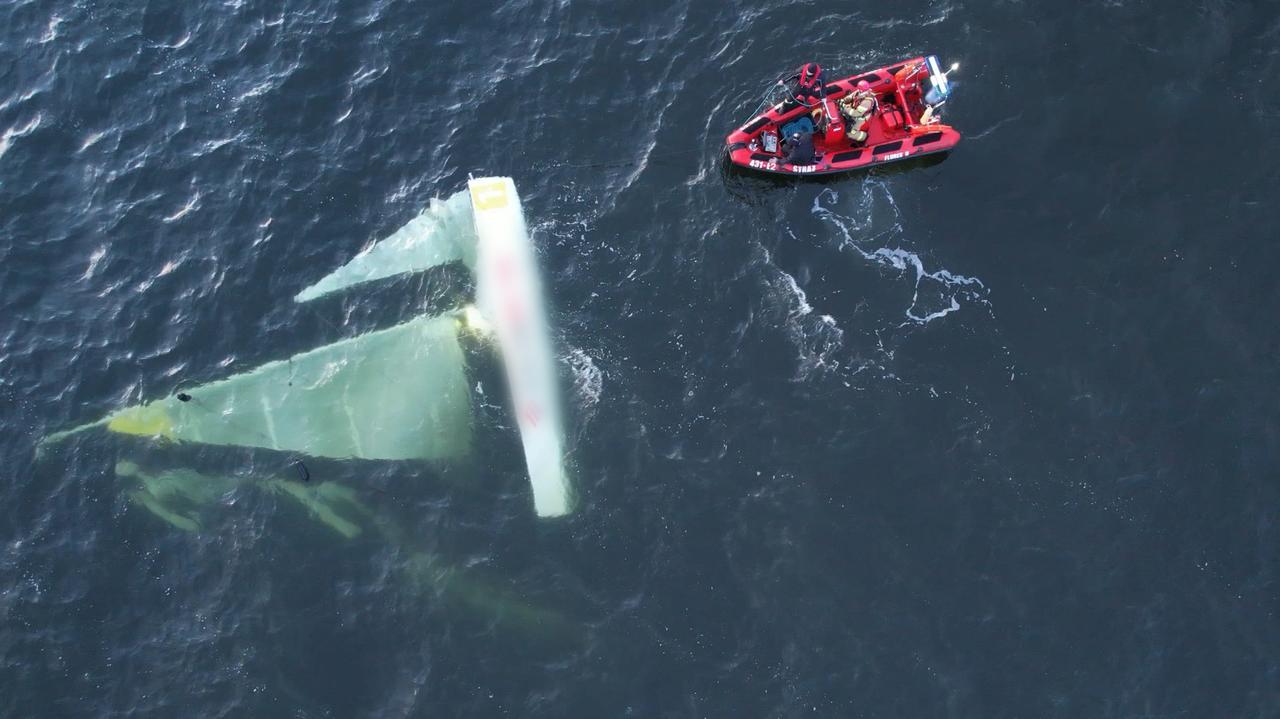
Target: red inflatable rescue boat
column 904, row 122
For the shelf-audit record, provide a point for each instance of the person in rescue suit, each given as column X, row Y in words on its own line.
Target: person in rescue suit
column 807, row 84
column 857, row 107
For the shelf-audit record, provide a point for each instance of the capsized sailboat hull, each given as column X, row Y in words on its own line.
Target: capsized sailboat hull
column 509, row 293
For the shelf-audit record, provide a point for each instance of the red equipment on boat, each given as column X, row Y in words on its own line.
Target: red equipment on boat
column 902, row 126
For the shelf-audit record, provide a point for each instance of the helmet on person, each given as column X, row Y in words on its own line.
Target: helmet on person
column 864, row 85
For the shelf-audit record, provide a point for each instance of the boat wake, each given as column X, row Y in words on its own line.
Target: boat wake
column 818, row 337
column 868, row 227
column 936, row 293
column 588, row 382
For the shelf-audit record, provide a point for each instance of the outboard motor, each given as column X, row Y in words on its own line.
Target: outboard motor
column 939, row 86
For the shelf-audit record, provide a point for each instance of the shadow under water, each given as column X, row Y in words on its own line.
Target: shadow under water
column 182, row 498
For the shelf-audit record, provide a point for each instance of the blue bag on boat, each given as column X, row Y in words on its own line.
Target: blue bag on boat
column 802, row 125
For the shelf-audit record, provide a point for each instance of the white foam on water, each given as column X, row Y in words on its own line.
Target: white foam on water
column 91, row 140
column 818, row 338
column 870, row 225
column 802, row 307
column 51, row 30
column 17, row 131
column 94, row 258
column 951, row 287
column 588, row 380
column 193, row 203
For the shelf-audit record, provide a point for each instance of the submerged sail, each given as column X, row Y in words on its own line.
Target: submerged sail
column 440, row 235
column 178, row 496
column 183, row 497
column 399, row 393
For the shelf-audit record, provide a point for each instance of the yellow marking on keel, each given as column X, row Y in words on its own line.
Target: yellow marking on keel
column 489, row 195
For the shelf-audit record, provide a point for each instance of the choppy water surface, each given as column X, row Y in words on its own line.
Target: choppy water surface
column 995, row 437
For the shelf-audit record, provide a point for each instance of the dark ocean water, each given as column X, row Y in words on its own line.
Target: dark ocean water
column 993, row 437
